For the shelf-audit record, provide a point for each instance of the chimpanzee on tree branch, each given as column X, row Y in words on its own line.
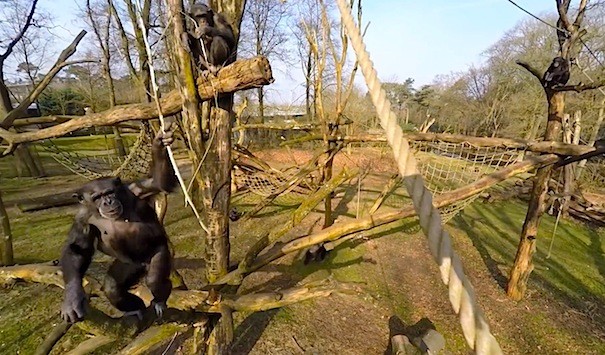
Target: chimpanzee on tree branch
column 557, row 74
column 119, row 220
column 211, row 30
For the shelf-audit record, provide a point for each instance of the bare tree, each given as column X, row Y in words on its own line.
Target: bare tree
column 264, row 33
column 306, row 29
column 100, row 19
column 8, row 114
column 569, row 36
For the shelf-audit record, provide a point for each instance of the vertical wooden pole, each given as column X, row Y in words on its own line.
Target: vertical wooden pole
column 523, row 265
column 593, row 137
column 216, row 195
column 7, row 238
column 568, row 176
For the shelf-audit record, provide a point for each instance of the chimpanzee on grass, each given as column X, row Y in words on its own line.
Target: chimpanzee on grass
column 118, row 219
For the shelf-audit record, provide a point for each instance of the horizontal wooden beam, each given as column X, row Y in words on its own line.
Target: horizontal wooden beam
column 547, row 147
column 242, row 75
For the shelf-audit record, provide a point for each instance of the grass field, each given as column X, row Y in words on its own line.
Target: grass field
column 564, row 311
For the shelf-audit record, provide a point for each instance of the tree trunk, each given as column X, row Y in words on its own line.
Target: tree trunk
column 523, row 265
column 6, row 246
column 5, row 102
column 327, row 176
column 569, row 176
column 593, row 137
column 38, row 162
column 25, row 157
column 216, row 191
column 119, row 142
column 261, row 105
column 308, row 88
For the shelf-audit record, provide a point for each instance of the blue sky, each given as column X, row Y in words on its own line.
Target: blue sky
column 406, row 38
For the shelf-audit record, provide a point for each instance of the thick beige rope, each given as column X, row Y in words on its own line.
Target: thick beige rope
column 461, row 293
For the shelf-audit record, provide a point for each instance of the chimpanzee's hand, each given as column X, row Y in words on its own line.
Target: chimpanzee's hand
column 165, row 138
column 203, row 31
column 159, row 308
column 73, row 308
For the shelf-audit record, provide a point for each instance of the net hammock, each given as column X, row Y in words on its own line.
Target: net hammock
column 444, row 166
column 135, row 165
column 449, row 166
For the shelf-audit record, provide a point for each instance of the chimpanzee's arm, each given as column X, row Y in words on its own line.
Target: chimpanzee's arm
column 163, row 178
column 221, row 28
column 75, row 259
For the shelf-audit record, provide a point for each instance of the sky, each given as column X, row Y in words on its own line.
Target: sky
column 406, row 38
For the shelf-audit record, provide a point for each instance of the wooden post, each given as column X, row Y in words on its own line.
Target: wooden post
column 216, row 195
column 567, row 170
column 7, row 238
column 593, row 137
column 569, row 177
column 523, row 264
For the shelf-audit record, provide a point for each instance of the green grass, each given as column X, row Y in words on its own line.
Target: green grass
column 574, row 273
column 576, row 266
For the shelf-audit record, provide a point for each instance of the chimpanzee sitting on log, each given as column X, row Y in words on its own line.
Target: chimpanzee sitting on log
column 120, row 220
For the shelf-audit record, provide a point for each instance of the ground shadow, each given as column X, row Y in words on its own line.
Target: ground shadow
column 189, row 263
column 350, row 191
column 596, row 252
column 475, row 237
column 248, row 333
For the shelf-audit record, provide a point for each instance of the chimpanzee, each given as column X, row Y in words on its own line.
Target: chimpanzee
column 210, row 29
column 557, row 74
column 119, row 220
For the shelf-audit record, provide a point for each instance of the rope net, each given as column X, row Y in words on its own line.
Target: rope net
column 449, row 166
column 264, row 183
column 135, row 165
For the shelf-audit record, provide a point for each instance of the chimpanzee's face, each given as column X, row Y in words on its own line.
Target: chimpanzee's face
column 202, row 15
column 105, row 196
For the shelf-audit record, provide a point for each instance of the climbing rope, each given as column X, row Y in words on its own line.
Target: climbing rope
column 462, row 296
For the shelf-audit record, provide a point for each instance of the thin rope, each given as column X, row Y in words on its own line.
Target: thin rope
column 462, row 296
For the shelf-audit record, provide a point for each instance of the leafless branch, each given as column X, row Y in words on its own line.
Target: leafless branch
column 59, row 64
column 13, row 43
column 532, row 70
column 562, row 8
column 581, row 13
column 241, row 75
column 124, row 39
column 581, row 87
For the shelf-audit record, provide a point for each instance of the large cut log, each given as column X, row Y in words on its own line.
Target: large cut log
column 241, row 75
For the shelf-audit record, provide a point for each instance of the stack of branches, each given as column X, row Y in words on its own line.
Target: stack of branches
column 580, row 206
